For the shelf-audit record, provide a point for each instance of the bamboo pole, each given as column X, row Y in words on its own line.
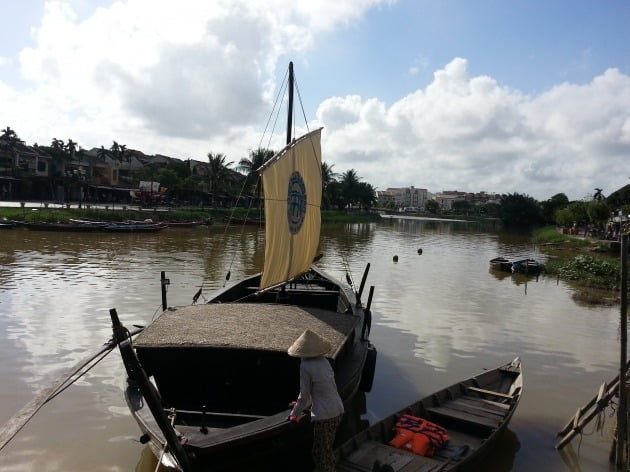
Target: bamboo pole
column 14, row 424
column 622, row 416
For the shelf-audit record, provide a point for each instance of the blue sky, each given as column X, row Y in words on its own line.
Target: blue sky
column 527, row 97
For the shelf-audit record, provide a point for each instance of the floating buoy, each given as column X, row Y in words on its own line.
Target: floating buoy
column 420, row 251
column 395, row 258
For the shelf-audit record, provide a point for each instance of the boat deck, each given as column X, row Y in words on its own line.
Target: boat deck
column 264, row 327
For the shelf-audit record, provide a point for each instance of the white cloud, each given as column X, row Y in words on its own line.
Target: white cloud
column 161, row 76
column 470, row 133
column 191, row 77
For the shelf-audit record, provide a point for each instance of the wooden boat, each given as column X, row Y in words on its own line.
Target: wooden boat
column 7, row 224
column 134, row 227
column 474, row 412
column 501, row 263
column 70, row 226
column 222, row 380
column 526, row 266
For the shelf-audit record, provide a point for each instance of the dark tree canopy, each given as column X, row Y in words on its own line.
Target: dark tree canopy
column 550, row 207
column 520, row 211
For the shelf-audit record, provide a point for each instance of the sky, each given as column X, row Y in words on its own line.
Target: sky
column 502, row 96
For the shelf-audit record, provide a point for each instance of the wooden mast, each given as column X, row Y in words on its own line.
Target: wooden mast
column 290, row 115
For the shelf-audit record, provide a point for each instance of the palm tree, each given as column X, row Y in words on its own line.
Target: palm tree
column 328, row 175
column 350, row 186
column 217, row 170
column 58, row 152
column 102, row 153
column 598, row 194
column 366, row 195
column 250, row 165
column 10, row 140
column 71, row 148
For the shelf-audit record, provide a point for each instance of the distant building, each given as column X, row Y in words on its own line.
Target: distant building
column 403, row 197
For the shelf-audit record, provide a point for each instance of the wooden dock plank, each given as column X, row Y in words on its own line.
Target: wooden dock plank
column 490, row 403
column 369, row 452
column 490, row 392
column 466, row 417
column 467, row 405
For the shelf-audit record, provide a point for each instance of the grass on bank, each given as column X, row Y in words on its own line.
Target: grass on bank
column 579, row 261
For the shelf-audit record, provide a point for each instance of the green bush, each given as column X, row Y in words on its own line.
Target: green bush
column 589, row 269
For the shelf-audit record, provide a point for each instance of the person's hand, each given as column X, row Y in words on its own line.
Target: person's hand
column 294, row 419
column 292, row 404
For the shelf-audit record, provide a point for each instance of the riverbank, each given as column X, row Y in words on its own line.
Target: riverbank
column 591, row 266
column 40, row 212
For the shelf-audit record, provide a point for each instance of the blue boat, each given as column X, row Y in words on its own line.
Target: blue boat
column 526, row 266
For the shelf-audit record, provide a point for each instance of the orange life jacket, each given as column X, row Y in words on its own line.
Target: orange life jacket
column 418, row 435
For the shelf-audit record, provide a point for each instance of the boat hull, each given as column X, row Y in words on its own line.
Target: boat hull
column 474, row 412
column 205, row 361
column 526, row 266
column 69, row 227
column 501, row 263
column 134, row 228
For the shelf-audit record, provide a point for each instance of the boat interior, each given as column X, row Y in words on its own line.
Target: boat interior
column 309, row 290
column 472, row 411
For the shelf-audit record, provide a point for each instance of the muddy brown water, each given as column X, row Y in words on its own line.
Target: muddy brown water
column 437, row 317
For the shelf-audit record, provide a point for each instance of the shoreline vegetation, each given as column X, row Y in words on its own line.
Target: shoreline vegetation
column 590, row 266
column 120, row 213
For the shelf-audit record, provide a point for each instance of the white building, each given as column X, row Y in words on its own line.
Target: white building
column 404, row 196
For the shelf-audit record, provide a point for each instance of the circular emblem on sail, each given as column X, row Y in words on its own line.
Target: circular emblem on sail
column 296, row 202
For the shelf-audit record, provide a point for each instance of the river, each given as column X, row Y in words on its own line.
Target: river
column 438, row 317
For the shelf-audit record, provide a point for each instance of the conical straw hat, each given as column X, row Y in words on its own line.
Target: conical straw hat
column 309, row 344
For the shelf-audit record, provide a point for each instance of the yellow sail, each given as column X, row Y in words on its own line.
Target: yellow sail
column 292, row 183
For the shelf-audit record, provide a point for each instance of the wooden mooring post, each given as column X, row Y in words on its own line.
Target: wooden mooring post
column 621, row 459
column 617, row 386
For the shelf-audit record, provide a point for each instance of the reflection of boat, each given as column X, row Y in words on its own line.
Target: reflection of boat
column 245, row 221
column 526, row 266
column 221, row 376
column 474, row 412
column 181, row 224
column 501, row 263
column 71, row 226
column 134, row 227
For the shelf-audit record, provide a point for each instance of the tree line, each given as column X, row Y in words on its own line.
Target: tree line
column 223, row 176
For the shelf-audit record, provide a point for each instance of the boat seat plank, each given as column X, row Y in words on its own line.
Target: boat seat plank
column 479, row 414
column 401, row 461
column 465, row 417
column 490, row 392
column 479, row 408
column 487, row 403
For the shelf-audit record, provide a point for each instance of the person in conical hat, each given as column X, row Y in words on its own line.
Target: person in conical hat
column 319, row 391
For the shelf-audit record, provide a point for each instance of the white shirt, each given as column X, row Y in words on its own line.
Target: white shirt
column 318, row 387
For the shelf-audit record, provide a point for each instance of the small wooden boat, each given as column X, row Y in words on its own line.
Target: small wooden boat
column 70, row 226
column 526, row 266
column 7, row 224
column 501, row 263
column 473, row 412
column 134, row 227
